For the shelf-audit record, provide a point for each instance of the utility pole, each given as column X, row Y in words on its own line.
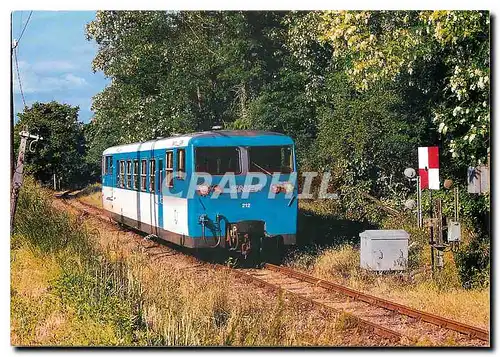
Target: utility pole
column 420, row 219
column 13, row 44
column 17, row 179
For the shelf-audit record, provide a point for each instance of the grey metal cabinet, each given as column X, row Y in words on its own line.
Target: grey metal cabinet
column 383, row 250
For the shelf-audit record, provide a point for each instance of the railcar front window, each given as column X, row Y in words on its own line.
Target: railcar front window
column 109, row 165
column 270, row 159
column 218, row 160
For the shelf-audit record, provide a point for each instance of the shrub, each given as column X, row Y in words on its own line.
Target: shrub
column 473, row 262
column 97, row 290
column 340, row 262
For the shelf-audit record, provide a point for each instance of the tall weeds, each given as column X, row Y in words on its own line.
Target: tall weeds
column 92, row 287
column 98, row 291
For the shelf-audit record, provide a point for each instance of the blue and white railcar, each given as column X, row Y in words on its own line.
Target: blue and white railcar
column 146, row 186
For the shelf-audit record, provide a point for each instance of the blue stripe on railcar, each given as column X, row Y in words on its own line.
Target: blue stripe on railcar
column 262, row 140
column 279, row 213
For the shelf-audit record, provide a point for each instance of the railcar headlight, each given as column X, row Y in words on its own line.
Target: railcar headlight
column 275, row 189
column 203, row 189
column 288, row 187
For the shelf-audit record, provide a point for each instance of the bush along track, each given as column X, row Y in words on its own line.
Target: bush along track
column 96, row 285
column 428, row 335
column 82, row 298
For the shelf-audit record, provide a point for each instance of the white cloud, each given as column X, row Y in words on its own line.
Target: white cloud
column 35, row 79
column 75, row 80
column 53, row 66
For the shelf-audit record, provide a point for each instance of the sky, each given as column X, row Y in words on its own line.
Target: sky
column 55, row 60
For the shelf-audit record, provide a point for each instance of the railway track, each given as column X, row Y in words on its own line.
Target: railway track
column 396, row 322
column 443, row 322
column 383, row 317
column 319, row 302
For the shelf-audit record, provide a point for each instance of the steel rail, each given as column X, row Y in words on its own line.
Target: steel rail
column 443, row 322
column 102, row 216
column 365, row 324
column 471, row 331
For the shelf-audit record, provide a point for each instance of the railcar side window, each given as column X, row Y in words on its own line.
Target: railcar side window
column 121, row 174
column 144, row 167
column 129, row 173
column 218, row 160
column 136, row 174
column 169, row 169
column 269, row 159
column 152, row 173
column 160, row 176
column 181, row 162
column 109, row 165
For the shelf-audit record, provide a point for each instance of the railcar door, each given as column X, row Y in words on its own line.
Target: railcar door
column 155, row 194
column 111, row 181
column 153, row 197
column 159, row 196
column 107, row 182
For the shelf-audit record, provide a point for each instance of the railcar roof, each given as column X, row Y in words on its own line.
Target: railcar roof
column 184, row 139
column 218, row 133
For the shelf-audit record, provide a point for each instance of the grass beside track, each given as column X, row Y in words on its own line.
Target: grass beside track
column 442, row 294
column 64, row 292
column 75, row 282
column 92, row 195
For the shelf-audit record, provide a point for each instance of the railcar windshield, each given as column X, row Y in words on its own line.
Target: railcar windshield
column 270, row 159
column 218, row 160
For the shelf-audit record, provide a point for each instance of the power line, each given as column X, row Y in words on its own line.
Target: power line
column 21, row 21
column 15, row 50
column 19, row 77
column 24, row 28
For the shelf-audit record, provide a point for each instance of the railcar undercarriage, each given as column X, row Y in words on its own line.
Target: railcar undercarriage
column 249, row 239
column 244, row 239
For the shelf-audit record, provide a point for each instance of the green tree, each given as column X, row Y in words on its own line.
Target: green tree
column 62, row 149
column 175, row 72
column 401, row 46
column 439, row 62
column 367, row 136
column 282, row 106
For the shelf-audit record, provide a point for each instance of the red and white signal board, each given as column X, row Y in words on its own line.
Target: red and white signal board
column 428, row 167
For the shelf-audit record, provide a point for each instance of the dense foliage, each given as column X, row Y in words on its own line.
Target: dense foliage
column 359, row 91
column 178, row 72
column 406, row 47
column 62, row 149
column 383, row 82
